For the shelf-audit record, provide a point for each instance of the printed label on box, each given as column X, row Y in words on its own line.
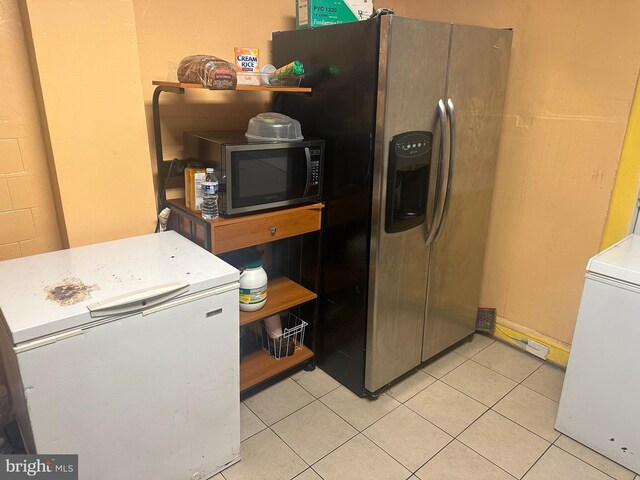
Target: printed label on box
column 247, row 65
column 312, row 13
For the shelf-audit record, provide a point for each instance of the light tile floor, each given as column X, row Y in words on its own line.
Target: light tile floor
column 484, row 411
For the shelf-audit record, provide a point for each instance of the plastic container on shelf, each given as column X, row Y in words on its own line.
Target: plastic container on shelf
column 266, row 74
column 274, row 127
column 267, row 77
column 273, row 325
column 253, row 287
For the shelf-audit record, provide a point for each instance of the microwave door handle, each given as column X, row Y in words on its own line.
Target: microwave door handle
column 307, row 153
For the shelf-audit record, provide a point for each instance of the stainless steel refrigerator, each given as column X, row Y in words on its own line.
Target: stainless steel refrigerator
column 411, row 113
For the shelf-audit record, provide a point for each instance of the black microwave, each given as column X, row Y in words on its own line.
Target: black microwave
column 257, row 176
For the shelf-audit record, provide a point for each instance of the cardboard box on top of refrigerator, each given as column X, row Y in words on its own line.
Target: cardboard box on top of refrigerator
column 315, row 13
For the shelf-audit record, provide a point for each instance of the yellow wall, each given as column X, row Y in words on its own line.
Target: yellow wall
column 87, row 72
column 625, row 191
column 574, row 66
column 28, row 222
column 573, row 71
column 91, row 75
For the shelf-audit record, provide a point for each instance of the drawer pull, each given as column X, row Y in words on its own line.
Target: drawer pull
column 273, row 230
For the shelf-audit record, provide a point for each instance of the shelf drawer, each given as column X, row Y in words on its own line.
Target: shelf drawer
column 255, row 230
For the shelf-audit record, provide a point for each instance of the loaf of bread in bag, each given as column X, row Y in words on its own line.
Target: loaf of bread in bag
column 209, row 71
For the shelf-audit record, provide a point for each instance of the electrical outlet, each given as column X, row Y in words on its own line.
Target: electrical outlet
column 538, row 349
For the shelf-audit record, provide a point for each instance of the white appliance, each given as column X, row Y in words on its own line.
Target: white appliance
column 600, row 403
column 127, row 354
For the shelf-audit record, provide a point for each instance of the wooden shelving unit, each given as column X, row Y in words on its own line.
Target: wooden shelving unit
column 164, row 166
column 225, row 235
column 259, row 88
column 294, row 226
column 259, row 366
column 283, row 294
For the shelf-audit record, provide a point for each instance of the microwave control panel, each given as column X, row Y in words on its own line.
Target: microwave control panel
column 315, row 154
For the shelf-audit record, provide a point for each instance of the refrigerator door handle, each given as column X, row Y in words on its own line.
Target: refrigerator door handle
column 307, row 153
column 439, row 197
column 452, row 158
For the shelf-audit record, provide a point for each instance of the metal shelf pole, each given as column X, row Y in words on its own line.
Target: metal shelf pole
column 157, row 132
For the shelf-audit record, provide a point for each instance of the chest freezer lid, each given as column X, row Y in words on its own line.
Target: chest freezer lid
column 621, row 261
column 45, row 294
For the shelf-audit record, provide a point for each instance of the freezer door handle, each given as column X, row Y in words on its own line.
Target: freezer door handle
column 191, row 298
column 41, row 342
column 439, row 197
column 135, row 301
column 452, row 158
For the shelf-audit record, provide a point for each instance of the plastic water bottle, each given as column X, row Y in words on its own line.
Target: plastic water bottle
column 210, row 195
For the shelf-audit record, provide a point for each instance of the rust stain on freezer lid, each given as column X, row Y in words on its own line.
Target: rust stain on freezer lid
column 70, row 291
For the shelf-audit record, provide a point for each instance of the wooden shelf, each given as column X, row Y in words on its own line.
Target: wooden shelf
column 259, row 366
column 259, row 88
column 228, row 234
column 282, row 294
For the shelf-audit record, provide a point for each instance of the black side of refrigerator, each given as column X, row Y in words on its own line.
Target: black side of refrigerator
column 341, row 63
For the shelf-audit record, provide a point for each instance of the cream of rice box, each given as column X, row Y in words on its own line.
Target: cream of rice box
column 247, row 61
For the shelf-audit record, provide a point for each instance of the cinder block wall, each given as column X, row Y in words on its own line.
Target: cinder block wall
column 28, row 221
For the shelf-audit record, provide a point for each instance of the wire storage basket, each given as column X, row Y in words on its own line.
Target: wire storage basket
column 289, row 341
column 284, row 80
column 269, row 79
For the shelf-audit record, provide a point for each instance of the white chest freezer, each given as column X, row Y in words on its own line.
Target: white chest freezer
column 127, row 354
column 600, row 402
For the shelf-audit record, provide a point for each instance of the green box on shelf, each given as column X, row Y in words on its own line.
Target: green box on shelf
column 315, row 13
